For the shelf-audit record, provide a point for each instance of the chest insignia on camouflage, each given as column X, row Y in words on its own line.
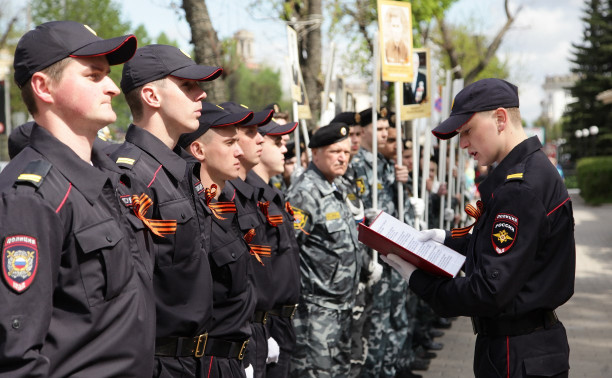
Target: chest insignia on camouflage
column 19, row 261
column 299, row 219
column 380, row 187
column 504, row 233
column 360, row 185
column 332, row 216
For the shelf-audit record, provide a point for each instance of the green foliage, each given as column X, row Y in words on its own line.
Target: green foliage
column 592, row 62
column 254, row 88
column 470, row 47
column 595, row 179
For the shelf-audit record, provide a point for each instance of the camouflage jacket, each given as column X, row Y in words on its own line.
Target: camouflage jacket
column 327, row 236
column 363, row 168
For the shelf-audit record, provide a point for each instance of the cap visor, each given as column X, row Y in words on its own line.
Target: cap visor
column 261, row 118
column 198, row 72
column 448, row 128
column 233, row 119
column 277, row 129
column 117, row 50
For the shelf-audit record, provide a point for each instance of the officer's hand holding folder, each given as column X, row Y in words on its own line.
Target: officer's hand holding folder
column 388, row 235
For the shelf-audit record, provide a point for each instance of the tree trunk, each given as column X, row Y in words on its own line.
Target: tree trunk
column 206, row 45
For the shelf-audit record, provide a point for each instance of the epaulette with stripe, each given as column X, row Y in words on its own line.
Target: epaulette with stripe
column 34, row 173
column 127, row 158
column 514, row 177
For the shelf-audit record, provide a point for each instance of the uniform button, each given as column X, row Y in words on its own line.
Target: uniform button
column 495, row 274
column 16, row 323
column 182, row 216
column 233, row 255
column 109, row 239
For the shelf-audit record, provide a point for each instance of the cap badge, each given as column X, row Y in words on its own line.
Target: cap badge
column 383, row 112
column 343, row 131
column 357, row 118
column 91, row 30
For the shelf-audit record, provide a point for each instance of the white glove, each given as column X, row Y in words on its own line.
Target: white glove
column 449, row 215
column 435, row 234
column 376, row 271
column 418, row 205
column 402, row 266
column 273, row 351
column 249, row 371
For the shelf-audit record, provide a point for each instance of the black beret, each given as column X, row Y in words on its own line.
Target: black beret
column 349, row 118
column 330, row 134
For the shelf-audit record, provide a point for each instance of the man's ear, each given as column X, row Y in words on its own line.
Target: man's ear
column 41, row 87
column 150, row 95
column 198, row 150
column 501, row 119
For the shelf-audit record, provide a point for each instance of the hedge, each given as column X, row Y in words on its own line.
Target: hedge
column 595, row 179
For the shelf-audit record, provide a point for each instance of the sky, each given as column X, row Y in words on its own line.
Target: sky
column 537, row 45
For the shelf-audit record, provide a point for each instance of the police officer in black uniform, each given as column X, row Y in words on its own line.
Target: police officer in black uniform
column 520, row 256
column 215, row 147
column 283, row 285
column 161, row 88
column 76, row 291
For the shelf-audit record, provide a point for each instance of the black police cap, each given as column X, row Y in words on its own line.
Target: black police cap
column 274, row 129
column 214, row 116
column 154, row 62
column 53, row 41
column 259, row 118
column 483, row 95
column 330, row 134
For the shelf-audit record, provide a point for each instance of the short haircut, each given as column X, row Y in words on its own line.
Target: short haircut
column 54, row 72
column 135, row 103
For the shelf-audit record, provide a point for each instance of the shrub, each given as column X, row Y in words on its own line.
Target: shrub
column 595, row 179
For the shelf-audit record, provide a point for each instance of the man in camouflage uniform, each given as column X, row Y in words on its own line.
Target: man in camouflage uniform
column 388, row 323
column 329, row 261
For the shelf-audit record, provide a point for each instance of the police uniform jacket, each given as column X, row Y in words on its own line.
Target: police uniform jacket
column 76, row 293
column 362, row 164
column 234, row 296
column 182, row 280
column 520, row 256
column 250, row 217
column 284, row 284
column 327, row 237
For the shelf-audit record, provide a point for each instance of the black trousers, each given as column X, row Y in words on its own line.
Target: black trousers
column 542, row 353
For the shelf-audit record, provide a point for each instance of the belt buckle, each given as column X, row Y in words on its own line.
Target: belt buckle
column 243, row 349
column 265, row 318
column 199, row 351
column 295, row 306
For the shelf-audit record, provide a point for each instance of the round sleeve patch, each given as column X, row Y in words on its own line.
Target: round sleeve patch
column 299, row 218
column 19, row 261
column 504, row 233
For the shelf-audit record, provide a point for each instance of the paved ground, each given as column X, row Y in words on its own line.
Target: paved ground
column 587, row 315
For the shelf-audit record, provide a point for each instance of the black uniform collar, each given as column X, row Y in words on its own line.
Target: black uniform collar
column 150, row 144
column 499, row 174
column 87, row 179
column 255, row 180
column 243, row 188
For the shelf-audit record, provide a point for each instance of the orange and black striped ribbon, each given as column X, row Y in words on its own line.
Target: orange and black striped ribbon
column 274, row 220
column 140, row 205
column 218, row 207
column 248, row 237
column 474, row 212
column 289, row 208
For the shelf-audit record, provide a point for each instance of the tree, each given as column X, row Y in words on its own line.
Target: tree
column 592, row 61
column 254, row 88
column 207, row 48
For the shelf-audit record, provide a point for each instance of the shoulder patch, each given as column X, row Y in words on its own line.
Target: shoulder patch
column 34, row 173
column 19, row 261
column 504, row 232
column 299, row 218
column 360, row 185
column 515, row 177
